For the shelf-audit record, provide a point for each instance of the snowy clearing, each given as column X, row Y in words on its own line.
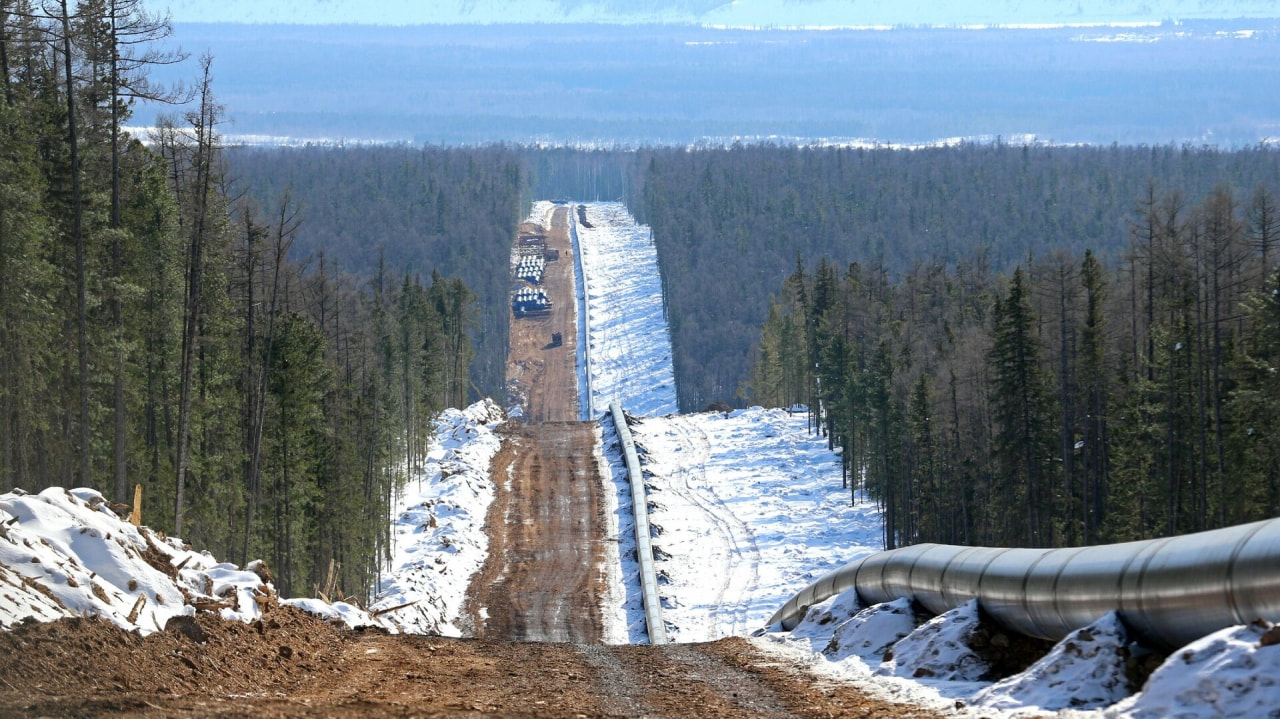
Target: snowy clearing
column 749, row 508
column 629, row 341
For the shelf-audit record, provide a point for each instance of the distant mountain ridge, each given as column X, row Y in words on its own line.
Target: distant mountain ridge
column 739, row 13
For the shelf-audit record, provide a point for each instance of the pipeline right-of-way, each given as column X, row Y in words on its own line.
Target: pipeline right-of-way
column 1171, row 591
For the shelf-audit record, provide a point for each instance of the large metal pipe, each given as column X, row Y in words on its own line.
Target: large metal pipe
column 657, row 629
column 1172, row 590
column 587, row 404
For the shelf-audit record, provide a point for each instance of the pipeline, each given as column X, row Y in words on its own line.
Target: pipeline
column 584, row 321
column 644, row 550
column 1171, row 591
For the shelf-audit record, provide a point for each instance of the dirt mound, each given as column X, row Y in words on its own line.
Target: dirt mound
column 49, row 668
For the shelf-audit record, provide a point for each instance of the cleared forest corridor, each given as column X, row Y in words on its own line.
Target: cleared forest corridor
column 535, row 608
column 543, row 579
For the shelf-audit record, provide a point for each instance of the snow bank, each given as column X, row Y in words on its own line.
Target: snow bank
column 823, row 618
column 872, row 632
column 1086, row 670
column 66, row 553
column 939, row 649
column 630, row 343
column 1231, row 673
column 438, row 532
column 748, row 508
column 540, row 213
column 349, row 614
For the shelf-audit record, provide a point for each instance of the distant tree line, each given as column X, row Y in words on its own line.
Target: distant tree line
column 729, row 222
column 1073, row 400
column 416, row 209
column 153, row 329
column 587, row 175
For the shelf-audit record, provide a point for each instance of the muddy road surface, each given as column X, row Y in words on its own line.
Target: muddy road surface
column 541, row 376
column 543, row 580
column 294, row 665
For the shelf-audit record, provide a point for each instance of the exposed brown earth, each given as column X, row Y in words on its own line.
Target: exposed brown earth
column 292, row 665
column 542, row 584
column 544, row 376
column 542, row 580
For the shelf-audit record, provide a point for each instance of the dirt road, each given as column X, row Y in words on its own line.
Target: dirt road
column 294, row 665
column 541, row 377
column 543, row 580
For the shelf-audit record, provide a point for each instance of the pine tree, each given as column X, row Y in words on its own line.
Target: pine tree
column 1093, row 380
column 1023, row 424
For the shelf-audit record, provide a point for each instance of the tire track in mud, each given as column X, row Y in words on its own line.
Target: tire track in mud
column 542, row 580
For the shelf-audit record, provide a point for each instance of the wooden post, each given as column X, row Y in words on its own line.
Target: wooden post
column 136, row 518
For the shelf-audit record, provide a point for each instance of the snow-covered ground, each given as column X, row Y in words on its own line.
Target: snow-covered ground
column 67, row 553
column 623, row 608
column 629, row 341
column 940, row 665
column 749, row 506
column 438, row 533
column 750, row 509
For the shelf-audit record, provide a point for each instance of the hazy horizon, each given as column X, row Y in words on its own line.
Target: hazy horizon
column 738, row 13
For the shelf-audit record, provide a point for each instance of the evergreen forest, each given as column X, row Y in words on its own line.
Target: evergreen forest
column 1076, row 399
column 1010, row 344
column 155, row 331
column 416, row 209
column 729, row 222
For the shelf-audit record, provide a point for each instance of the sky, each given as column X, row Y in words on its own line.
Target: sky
column 735, row 13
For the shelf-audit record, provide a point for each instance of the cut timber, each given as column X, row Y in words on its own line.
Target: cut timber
column 136, row 518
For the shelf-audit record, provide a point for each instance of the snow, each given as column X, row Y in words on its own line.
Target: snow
column 750, row 508
column 1086, row 670
column 824, row 617
column 349, row 614
column 622, row 607
column 629, row 341
column 872, row 632
column 66, row 553
column 1226, row 674
column 1232, row 673
column 939, row 649
column 438, row 532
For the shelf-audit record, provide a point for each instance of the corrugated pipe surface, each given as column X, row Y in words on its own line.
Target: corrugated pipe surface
column 644, row 549
column 1172, row 590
